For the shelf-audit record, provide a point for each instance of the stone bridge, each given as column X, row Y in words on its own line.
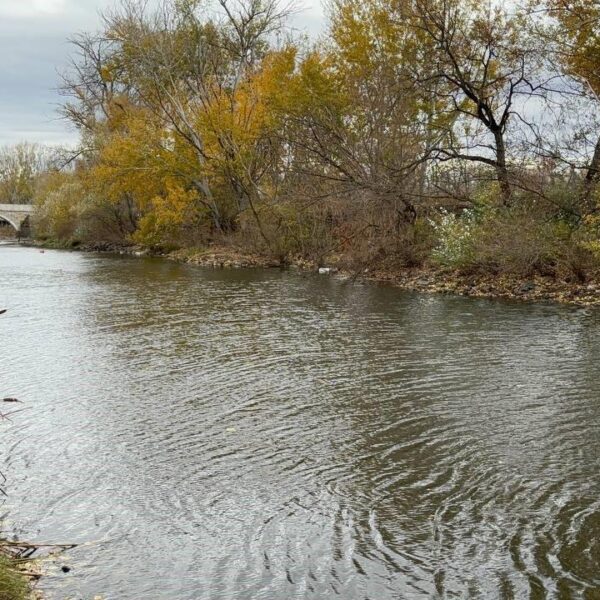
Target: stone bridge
column 17, row 215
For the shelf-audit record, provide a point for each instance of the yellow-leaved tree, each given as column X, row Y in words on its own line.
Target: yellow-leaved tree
column 578, row 33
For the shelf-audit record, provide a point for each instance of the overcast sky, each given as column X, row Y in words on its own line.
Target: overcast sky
column 34, row 48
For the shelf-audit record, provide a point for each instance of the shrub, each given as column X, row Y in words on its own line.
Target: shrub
column 531, row 238
column 455, row 238
column 57, row 212
column 414, row 243
column 285, row 230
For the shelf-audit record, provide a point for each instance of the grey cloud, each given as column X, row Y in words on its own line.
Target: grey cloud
column 34, row 49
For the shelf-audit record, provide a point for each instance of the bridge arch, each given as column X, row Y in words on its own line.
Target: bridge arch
column 17, row 215
column 4, row 219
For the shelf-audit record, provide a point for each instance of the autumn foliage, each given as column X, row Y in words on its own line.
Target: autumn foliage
column 405, row 124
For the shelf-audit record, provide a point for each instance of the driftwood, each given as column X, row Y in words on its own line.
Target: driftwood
column 31, row 574
column 29, row 546
column 26, row 550
column 2, row 311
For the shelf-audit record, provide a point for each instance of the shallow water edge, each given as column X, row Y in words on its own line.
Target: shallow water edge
column 427, row 280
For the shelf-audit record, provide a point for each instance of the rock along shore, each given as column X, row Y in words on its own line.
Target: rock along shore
column 425, row 280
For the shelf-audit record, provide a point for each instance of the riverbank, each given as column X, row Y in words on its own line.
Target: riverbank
column 425, row 280
column 428, row 280
column 14, row 584
column 19, row 571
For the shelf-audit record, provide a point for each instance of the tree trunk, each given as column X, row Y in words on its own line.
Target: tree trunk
column 203, row 186
column 501, row 169
column 591, row 178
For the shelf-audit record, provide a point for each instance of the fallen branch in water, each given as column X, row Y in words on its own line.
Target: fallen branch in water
column 29, row 545
column 31, row 574
column 26, row 550
column 12, row 412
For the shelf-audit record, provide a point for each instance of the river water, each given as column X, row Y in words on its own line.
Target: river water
column 249, row 434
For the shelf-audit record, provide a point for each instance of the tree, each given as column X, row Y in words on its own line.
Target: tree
column 192, row 72
column 356, row 124
column 481, row 63
column 577, row 29
column 20, row 165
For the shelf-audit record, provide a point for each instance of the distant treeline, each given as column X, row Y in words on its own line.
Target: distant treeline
column 452, row 132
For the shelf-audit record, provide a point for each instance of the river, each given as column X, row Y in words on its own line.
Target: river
column 261, row 434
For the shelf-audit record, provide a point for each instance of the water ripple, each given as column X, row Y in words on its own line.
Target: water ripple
column 267, row 435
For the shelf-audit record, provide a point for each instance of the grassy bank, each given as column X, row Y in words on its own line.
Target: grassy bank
column 13, row 584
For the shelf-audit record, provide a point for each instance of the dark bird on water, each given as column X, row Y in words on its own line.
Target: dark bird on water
column 2, row 311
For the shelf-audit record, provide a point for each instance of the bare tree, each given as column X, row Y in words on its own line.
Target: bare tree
column 481, row 63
